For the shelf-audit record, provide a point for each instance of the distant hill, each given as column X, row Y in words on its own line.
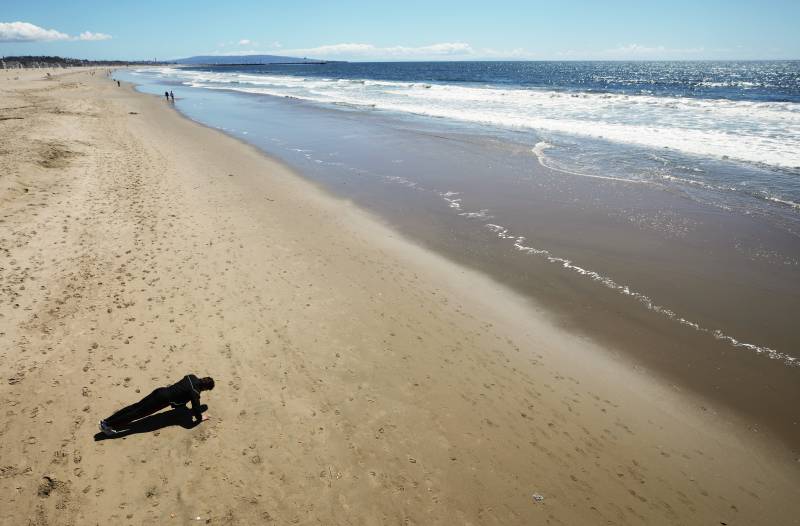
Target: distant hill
column 230, row 60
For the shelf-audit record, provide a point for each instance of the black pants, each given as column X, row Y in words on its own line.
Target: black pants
column 155, row 401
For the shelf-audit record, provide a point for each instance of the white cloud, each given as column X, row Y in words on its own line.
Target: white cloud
column 358, row 51
column 508, row 54
column 640, row 51
column 361, row 51
column 26, row 32
column 245, row 42
column 636, row 52
column 465, row 51
column 88, row 35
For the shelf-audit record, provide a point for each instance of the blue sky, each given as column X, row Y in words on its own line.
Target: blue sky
column 408, row 30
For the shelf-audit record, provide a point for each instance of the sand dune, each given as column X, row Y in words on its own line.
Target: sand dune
column 360, row 379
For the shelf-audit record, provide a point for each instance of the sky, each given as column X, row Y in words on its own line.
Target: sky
column 407, row 30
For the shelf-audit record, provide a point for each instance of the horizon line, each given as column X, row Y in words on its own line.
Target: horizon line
column 177, row 60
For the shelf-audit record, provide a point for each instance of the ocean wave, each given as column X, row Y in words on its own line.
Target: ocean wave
column 695, row 177
column 539, row 151
column 785, row 202
column 756, row 132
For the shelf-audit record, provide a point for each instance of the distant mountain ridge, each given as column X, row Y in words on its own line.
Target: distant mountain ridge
column 223, row 60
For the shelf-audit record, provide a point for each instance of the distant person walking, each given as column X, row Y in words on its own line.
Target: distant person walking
column 186, row 390
column 172, row 95
column 166, row 95
column 118, row 84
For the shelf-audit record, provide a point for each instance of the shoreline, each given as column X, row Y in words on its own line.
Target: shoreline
column 360, row 376
column 667, row 298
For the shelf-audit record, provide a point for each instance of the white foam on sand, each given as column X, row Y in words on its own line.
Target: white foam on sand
column 519, row 243
column 480, row 214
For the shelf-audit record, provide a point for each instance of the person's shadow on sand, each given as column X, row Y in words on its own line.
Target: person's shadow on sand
column 180, row 416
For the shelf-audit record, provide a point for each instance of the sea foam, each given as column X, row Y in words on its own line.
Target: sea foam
column 766, row 133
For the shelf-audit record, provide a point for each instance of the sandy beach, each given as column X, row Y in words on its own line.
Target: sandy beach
column 360, row 379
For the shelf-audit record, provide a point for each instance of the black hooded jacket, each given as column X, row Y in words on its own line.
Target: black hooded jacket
column 184, row 391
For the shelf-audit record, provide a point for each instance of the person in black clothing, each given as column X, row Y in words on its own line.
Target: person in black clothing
column 187, row 390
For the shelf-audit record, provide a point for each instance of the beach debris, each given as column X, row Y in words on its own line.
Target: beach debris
column 537, row 497
column 49, row 485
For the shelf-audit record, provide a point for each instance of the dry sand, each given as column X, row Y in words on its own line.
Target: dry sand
column 360, row 379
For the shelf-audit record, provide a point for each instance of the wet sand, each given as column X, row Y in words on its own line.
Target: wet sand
column 361, row 379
